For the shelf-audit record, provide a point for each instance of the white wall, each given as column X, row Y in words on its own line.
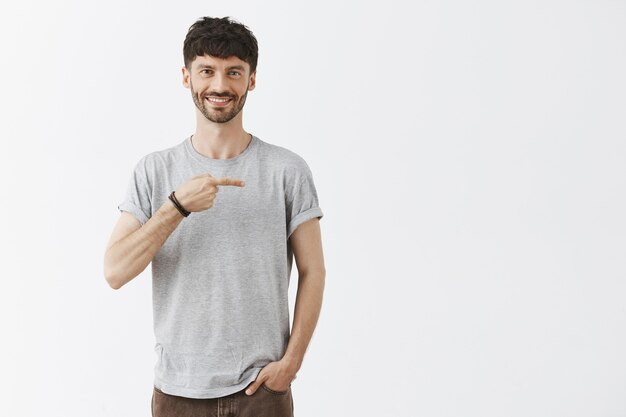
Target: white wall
column 469, row 159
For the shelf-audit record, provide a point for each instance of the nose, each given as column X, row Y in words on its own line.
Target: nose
column 219, row 84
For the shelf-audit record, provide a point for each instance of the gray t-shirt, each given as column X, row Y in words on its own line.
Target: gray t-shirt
column 220, row 282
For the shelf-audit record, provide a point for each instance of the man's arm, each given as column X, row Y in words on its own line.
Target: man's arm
column 306, row 242
column 132, row 245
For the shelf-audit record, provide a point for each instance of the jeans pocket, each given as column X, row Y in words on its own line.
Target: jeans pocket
column 275, row 392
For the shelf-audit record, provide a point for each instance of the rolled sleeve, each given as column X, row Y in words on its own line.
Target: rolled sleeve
column 137, row 199
column 303, row 203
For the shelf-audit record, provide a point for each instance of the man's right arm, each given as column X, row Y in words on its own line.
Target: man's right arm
column 132, row 246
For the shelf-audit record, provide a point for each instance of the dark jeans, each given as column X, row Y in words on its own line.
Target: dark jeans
column 263, row 403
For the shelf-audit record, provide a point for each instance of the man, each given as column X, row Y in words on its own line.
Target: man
column 222, row 244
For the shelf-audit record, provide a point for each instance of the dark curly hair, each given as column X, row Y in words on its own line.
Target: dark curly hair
column 221, row 38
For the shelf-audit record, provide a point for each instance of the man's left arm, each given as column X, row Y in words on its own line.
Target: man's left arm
column 306, row 242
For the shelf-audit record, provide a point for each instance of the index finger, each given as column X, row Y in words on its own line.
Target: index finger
column 229, row 181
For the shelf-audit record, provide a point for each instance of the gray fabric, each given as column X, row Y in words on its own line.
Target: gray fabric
column 220, row 282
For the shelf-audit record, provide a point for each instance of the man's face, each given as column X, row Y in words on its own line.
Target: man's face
column 214, row 79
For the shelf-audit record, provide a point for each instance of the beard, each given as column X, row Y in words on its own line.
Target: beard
column 218, row 115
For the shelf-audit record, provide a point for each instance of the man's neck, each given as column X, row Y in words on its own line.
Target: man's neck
column 220, row 141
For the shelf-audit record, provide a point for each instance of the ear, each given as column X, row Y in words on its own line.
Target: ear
column 252, row 82
column 185, row 77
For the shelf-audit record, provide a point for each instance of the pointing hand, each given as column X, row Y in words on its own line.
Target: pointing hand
column 198, row 193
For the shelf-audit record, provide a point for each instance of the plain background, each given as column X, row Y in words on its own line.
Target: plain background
column 469, row 159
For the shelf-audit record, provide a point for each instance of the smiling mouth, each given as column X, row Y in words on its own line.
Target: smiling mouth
column 219, row 101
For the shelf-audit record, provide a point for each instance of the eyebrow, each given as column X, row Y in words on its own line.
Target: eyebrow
column 239, row 67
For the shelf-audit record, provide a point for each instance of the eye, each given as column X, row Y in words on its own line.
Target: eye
column 235, row 72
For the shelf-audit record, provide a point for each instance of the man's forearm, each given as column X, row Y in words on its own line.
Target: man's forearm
column 306, row 313
column 128, row 257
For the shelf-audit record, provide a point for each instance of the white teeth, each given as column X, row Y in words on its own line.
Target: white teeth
column 219, row 100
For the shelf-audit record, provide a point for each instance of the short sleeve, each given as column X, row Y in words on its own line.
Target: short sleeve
column 302, row 201
column 137, row 199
